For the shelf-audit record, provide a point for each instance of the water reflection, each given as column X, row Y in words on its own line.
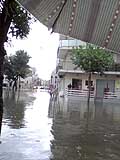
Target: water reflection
column 87, row 133
column 14, row 110
column 26, row 127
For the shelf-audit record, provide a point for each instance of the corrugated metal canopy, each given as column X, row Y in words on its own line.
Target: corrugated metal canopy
column 93, row 21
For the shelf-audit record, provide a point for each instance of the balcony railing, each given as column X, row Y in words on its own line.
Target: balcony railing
column 84, row 94
column 79, row 93
column 70, row 43
column 112, row 95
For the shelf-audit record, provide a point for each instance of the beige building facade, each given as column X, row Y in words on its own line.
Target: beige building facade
column 78, row 79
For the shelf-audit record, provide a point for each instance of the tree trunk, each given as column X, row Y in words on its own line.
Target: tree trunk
column 5, row 21
column 14, row 88
column 89, row 87
column 1, row 113
column 19, row 85
column 2, row 53
column 1, row 69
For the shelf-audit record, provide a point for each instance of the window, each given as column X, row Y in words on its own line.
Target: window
column 76, row 83
column 86, row 83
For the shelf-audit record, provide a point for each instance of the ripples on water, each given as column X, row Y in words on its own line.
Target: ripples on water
column 34, row 129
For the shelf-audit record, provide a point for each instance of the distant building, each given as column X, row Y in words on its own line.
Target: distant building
column 54, row 79
column 30, row 81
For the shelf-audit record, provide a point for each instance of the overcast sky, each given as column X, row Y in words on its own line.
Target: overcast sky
column 42, row 46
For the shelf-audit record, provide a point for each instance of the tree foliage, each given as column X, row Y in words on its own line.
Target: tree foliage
column 92, row 59
column 19, row 18
column 17, row 65
column 14, row 20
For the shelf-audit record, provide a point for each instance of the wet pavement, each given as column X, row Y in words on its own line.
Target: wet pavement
column 34, row 129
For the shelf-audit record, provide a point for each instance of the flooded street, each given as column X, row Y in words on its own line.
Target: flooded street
column 26, row 127
column 84, row 132
column 34, row 130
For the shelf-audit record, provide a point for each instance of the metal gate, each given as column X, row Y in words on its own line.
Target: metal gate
column 101, row 85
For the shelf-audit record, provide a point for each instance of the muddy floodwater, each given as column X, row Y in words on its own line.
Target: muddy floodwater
column 34, row 127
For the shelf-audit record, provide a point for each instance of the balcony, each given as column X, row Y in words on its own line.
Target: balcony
column 68, row 44
column 65, row 47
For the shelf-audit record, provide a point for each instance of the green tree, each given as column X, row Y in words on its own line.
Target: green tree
column 16, row 66
column 92, row 59
column 15, row 21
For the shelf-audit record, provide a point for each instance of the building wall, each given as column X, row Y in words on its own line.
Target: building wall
column 116, row 58
column 64, row 82
column 65, row 62
column 83, row 77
